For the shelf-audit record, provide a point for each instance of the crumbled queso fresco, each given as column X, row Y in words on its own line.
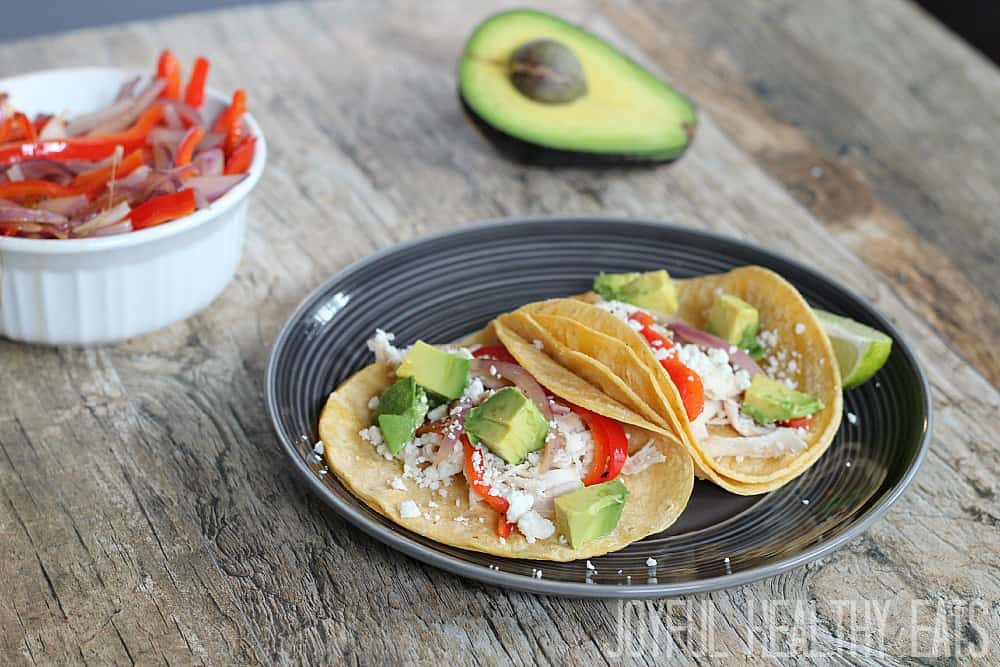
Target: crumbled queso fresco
column 720, row 379
column 409, row 509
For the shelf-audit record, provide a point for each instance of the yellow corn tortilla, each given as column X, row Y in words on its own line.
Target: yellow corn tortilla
column 781, row 308
column 657, row 495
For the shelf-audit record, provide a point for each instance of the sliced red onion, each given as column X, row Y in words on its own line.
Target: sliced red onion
column 184, row 171
column 521, row 378
column 109, row 217
column 117, row 228
column 693, row 336
column 82, row 166
column 42, row 169
column 132, row 183
column 128, row 89
column 162, row 157
column 182, row 111
column 67, row 206
column 87, row 122
column 54, row 128
column 38, row 230
column 210, row 140
column 125, row 119
column 492, row 382
column 210, row 162
column 161, row 184
column 172, row 119
column 451, row 432
column 199, row 200
column 213, row 187
column 171, row 136
column 15, row 213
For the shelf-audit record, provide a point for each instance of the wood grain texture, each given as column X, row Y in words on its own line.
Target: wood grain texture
column 146, row 514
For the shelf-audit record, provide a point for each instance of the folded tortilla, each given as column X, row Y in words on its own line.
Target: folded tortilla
column 613, row 348
column 657, row 495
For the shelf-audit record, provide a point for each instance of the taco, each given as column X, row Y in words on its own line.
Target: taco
column 737, row 364
column 490, row 445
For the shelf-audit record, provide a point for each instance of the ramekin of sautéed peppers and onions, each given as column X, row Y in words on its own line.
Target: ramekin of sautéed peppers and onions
column 150, row 157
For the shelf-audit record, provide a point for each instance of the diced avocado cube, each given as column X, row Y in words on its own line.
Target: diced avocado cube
column 509, row 424
column 609, row 285
column 402, row 396
column 401, row 410
column 437, row 371
column 397, row 430
column 654, row 289
column 590, row 512
column 768, row 401
column 734, row 320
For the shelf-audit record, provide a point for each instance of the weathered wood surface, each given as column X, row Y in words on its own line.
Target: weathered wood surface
column 147, row 516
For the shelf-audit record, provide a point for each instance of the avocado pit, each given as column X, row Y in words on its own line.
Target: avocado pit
column 547, row 71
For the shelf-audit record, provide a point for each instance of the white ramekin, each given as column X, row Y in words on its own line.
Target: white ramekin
column 107, row 289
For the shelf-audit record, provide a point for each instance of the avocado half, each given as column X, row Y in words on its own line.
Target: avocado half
column 625, row 114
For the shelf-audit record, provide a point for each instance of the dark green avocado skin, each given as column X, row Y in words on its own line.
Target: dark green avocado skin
column 532, row 154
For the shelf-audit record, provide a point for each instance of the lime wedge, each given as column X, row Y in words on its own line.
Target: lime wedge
column 860, row 350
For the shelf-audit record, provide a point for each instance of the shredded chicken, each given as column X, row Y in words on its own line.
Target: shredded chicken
column 779, row 442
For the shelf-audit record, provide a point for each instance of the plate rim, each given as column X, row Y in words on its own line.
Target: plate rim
column 396, row 537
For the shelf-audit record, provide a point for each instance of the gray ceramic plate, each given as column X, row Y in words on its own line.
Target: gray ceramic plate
column 442, row 287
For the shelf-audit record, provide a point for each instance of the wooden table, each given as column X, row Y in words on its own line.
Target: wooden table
column 147, row 515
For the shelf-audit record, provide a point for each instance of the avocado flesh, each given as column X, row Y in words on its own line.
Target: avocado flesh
column 609, row 285
column 401, row 409
column 626, row 112
column 439, row 372
column 653, row 290
column 590, row 512
column 509, row 424
column 769, row 401
column 732, row 319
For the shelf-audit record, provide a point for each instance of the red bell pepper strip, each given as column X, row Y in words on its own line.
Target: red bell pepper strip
column 17, row 120
column 169, row 69
column 222, row 122
column 85, row 148
column 503, row 526
column 98, row 178
column 240, row 159
column 194, row 94
column 494, row 352
column 688, row 383
column 475, row 478
column 27, row 129
column 162, row 209
column 230, row 121
column 39, row 189
column 86, row 183
column 797, row 422
column 186, row 148
column 610, row 446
